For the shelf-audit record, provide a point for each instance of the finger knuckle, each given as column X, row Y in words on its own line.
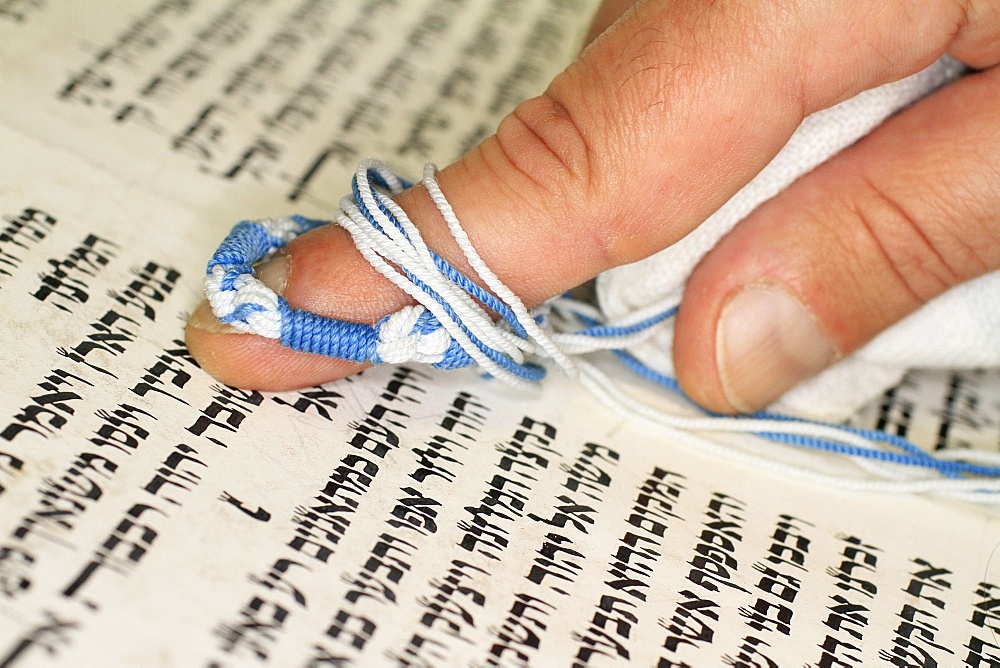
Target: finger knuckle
column 545, row 159
column 917, row 238
column 543, row 141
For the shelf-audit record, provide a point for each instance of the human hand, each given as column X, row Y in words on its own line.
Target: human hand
column 665, row 116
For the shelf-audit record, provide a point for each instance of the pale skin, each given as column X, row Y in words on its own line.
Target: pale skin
column 673, row 106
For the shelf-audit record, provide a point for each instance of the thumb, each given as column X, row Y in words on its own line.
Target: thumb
column 638, row 141
column 848, row 250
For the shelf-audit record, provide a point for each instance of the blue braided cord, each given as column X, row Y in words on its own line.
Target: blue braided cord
column 976, row 469
column 490, row 352
column 914, row 457
column 308, row 224
column 950, row 469
column 653, row 375
column 947, row 469
column 870, row 434
column 357, row 342
column 245, row 244
column 313, row 333
column 426, row 323
column 228, row 281
column 852, row 450
column 603, row 331
column 454, row 358
column 249, row 242
column 301, row 330
column 486, row 297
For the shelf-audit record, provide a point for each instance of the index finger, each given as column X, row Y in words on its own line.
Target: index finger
column 656, row 125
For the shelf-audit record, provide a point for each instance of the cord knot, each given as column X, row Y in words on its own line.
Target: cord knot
column 411, row 334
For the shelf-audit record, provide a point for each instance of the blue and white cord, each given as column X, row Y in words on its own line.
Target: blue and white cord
column 452, row 327
column 449, row 329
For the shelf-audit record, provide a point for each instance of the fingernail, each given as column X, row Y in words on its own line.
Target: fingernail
column 274, row 273
column 202, row 318
column 767, row 342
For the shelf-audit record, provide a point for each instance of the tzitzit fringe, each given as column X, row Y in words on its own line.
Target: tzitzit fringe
column 451, row 327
